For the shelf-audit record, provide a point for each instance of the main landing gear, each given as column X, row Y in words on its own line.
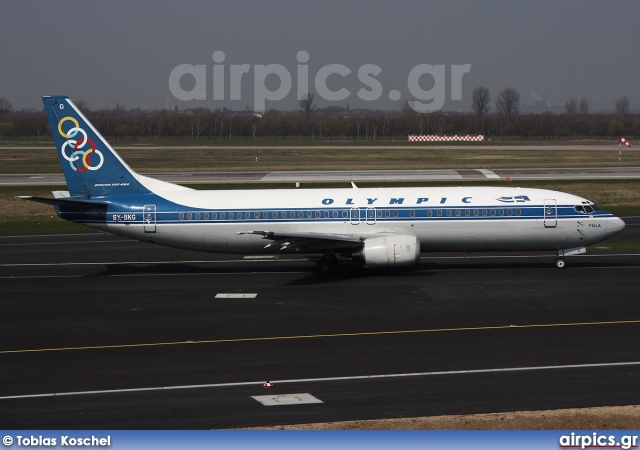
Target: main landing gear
column 559, row 262
column 327, row 263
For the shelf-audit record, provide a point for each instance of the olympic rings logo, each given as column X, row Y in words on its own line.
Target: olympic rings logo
column 77, row 153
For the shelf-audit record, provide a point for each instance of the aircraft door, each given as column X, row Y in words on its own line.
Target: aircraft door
column 371, row 216
column 550, row 213
column 149, row 218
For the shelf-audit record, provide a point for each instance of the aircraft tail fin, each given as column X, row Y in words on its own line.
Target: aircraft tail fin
column 91, row 167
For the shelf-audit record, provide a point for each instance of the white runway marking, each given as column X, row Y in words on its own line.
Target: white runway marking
column 315, row 380
column 488, row 173
column 299, row 259
column 286, row 399
column 52, row 235
column 236, row 295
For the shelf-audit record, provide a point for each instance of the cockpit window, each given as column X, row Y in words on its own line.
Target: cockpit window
column 586, row 208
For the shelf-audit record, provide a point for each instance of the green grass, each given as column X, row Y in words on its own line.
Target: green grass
column 225, row 159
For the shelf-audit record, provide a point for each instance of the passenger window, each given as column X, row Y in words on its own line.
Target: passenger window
column 412, row 213
column 485, row 212
column 379, row 213
column 232, row 216
column 509, row 212
column 476, row 212
column 467, row 212
column 501, row 212
column 457, row 213
column 206, row 216
column 493, row 212
column 189, row 216
column 223, row 215
column 448, row 213
column 518, row 212
column 395, row 213
column 430, row 213
column 439, row 213
column 387, row 214
column 181, row 216
column 214, row 215
column 317, row 214
column 345, row 214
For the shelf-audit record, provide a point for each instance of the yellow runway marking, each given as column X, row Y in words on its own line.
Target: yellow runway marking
column 153, row 275
column 318, row 336
column 66, row 243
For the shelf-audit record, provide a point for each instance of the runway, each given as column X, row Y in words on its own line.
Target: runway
column 103, row 332
column 593, row 173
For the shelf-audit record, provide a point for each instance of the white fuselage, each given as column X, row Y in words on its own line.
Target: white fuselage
column 442, row 219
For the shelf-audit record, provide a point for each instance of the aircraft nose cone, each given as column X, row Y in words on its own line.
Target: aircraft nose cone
column 616, row 226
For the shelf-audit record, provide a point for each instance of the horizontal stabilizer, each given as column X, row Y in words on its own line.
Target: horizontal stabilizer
column 83, row 204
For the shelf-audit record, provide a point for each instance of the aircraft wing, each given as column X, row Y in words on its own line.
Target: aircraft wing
column 308, row 242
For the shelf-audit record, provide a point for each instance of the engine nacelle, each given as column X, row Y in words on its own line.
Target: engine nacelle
column 389, row 251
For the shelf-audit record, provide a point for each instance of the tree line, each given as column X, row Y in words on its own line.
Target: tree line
column 335, row 122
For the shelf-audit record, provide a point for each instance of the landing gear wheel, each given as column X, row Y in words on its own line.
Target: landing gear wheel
column 327, row 263
column 560, row 264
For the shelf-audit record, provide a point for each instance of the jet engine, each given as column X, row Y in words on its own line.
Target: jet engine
column 389, row 251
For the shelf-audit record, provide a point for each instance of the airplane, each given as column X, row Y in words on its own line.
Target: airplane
column 379, row 227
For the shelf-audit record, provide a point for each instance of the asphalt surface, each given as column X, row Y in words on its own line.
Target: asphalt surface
column 594, row 173
column 131, row 335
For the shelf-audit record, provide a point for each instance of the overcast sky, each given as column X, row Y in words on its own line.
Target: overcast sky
column 124, row 51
